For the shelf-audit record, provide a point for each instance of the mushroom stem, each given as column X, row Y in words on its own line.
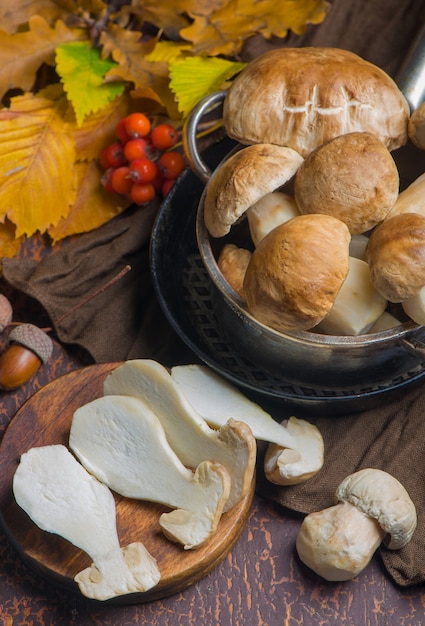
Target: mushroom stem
column 339, row 542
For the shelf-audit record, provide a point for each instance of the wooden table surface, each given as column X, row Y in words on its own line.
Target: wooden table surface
column 260, row 582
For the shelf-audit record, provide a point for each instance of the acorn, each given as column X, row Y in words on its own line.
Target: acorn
column 29, row 348
column 6, row 312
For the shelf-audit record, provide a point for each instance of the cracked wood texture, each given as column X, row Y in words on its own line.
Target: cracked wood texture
column 260, row 582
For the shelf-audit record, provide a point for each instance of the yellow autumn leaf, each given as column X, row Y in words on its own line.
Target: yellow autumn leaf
column 98, row 129
column 168, row 52
column 24, row 52
column 37, row 155
column 93, row 206
column 195, row 77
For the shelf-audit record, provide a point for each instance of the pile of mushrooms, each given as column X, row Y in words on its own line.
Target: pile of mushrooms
column 317, row 183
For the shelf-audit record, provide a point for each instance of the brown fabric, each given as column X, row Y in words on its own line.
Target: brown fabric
column 123, row 322
column 390, row 438
column 126, row 321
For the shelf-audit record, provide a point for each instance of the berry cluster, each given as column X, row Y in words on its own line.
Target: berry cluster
column 141, row 164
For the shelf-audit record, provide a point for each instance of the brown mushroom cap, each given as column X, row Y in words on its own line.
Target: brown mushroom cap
column 396, row 256
column 242, row 180
column 352, row 177
column 232, row 262
column 381, row 496
column 296, row 272
column 302, row 97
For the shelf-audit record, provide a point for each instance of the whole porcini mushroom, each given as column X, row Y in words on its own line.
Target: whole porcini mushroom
column 296, row 272
column 372, row 507
column 352, row 177
column 302, row 97
column 243, row 179
column 396, row 256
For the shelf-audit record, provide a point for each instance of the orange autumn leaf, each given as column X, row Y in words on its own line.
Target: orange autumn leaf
column 37, row 155
column 9, row 243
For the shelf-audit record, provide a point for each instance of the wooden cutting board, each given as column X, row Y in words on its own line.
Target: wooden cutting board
column 46, row 419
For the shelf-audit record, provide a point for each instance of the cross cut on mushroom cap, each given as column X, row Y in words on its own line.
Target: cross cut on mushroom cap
column 381, row 496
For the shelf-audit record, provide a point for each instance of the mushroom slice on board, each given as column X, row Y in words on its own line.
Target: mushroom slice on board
column 61, row 497
column 373, row 507
column 296, row 449
column 188, row 433
column 121, row 442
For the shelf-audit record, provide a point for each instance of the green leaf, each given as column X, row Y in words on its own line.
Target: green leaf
column 195, row 77
column 82, row 72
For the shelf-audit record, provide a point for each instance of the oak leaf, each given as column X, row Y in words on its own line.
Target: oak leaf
column 224, row 31
column 37, row 155
column 129, row 52
column 24, row 52
column 82, row 73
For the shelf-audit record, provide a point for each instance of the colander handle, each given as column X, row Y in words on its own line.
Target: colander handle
column 415, row 344
column 190, row 145
column 411, row 76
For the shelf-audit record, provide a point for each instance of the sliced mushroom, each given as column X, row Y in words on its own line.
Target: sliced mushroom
column 386, row 321
column 357, row 306
column 61, row 497
column 373, row 507
column 189, row 435
column 121, row 442
column 294, row 466
column 296, row 451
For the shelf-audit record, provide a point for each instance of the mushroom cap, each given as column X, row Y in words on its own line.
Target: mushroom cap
column 352, row 177
column 416, row 127
column 296, row 272
column 396, row 256
column 381, row 496
column 232, row 262
column 302, row 97
column 242, row 180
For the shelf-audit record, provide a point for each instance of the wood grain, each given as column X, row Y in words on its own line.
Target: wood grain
column 45, row 419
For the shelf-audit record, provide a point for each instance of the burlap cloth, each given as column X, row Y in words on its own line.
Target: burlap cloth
column 126, row 320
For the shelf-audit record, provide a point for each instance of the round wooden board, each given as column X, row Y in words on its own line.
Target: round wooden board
column 46, row 419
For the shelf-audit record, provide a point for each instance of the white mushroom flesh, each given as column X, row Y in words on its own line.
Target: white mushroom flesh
column 384, row 322
column 291, row 467
column 121, row 442
column 414, row 307
column 61, row 497
column 271, row 210
column 187, row 432
column 357, row 306
column 297, row 449
column 339, row 542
